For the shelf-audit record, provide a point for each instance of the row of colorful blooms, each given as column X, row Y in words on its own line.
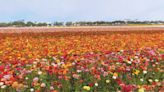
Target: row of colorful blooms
column 31, row 46
column 123, row 71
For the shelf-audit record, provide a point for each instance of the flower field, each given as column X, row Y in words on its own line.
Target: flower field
column 99, row 61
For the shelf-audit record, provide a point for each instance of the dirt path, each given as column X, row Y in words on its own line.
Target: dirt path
column 77, row 29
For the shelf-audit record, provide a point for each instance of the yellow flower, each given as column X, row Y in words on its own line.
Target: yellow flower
column 107, row 81
column 86, row 88
column 57, row 60
column 136, row 72
column 141, row 89
column 1, row 52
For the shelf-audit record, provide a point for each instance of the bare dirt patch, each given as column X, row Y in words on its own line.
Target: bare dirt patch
column 78, row 29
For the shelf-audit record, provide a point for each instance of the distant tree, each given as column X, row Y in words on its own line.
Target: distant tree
column 29, row 23
column 41, row 24
column 118, row 22
column 58, row 24
column 69, row 24
column 4, row 24
column 19, row 23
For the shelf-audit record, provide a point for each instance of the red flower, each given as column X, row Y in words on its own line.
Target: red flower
column 127, row 88
column 2, row 67
column 1, row 76
column 91, row 84
column 119, row 81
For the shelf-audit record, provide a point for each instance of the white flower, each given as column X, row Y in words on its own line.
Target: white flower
column 96, row 84
column 32, row 90
column 25, row 86
column 53, row 64
column 121, row 50
column 144, row 72
column 107, row 81
column 39, row 72
column 73, row 63
column 37, row 59
column 3, row 86
column 128, row 69
column 156, row 80
column 150, row 80
column 114, row 77
column 129, row 62
column 1, row 83
column 34, row 63
column 78, row 71
column 44, row 59
column 141, row 80
column 117, row 63
column 26, row 78
column 51, row 88
column 136, row 57
column 54, row 58
column 59, row 64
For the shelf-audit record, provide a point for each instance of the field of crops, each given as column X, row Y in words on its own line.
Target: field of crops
column 82, row 61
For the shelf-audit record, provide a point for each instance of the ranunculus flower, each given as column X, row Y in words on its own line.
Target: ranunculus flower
column 43, row 85
column 86, row 88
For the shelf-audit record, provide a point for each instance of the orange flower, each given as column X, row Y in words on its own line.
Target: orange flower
column 15, row 85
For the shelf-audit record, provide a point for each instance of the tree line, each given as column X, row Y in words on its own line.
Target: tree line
column 81, row 23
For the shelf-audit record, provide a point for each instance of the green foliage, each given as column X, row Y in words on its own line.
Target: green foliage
column 58, row 23
column 21, row 23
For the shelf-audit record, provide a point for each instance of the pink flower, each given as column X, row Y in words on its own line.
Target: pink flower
column 76, row 76
column 36, row 79
column 105, row 74
column 151, row 52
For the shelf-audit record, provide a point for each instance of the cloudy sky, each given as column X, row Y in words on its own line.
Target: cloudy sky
column 80, row 10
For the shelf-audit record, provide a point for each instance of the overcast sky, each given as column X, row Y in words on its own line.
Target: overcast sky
column 80, row 10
